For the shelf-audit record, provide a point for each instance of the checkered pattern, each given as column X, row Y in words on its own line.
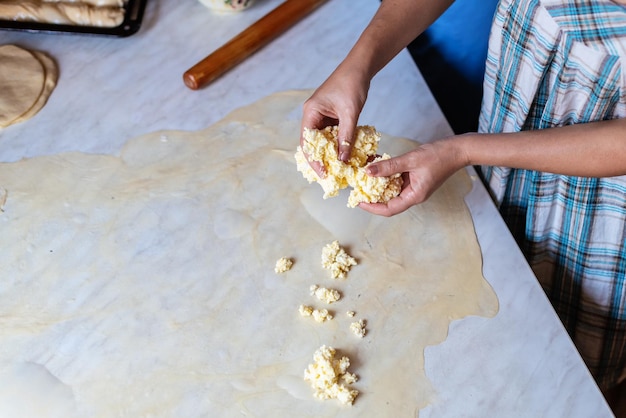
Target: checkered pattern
column 554, row 63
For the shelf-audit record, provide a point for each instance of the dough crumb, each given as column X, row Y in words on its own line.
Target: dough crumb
column 305, row 310
column 351, row 314
column 358, row 328
column 283, row 264
column 325, row 295
column 319, row 315
column 321, row 146
column 335, row 259
column 327, row 372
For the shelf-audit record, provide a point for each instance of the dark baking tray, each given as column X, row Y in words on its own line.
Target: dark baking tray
column 130, row 25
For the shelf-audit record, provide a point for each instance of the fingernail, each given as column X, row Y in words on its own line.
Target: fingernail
column 372, row 170
column 344, row 156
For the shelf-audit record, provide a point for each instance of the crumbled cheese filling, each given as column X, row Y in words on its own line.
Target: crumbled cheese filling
column 335, row 259
column 319, row 315
column 283, row 264
column 358, row 328
column 305, row 310
column 326, row 374
column 325, row 295
column 321, row 146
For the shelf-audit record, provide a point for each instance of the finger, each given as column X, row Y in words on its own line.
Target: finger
column 317, row 166
column 395, row 206
column 317, row 115
column 345, row 138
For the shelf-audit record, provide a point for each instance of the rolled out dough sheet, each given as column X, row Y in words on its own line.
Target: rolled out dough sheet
column 144, row 285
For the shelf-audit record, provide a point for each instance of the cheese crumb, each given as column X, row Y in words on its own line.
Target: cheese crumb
column 325, row 374
column 325, row 295
column 335, row 259
column 283, row 264
column 305, row 310
column 358, row 328
column 319, row 315
column 349, row 378
column 321, row 146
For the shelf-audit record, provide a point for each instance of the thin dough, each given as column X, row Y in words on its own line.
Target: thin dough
column 139, row 284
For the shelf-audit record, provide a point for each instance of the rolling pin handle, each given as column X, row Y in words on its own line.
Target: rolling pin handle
column 190, row 80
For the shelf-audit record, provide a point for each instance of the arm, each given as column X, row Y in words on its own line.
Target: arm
column 340, row 99
column 595, row 149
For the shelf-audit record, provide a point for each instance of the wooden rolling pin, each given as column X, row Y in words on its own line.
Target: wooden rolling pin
column 248, row 42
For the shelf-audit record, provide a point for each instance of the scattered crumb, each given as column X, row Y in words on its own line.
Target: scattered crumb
column 319, row 315
column 305, row 310
column 283, row 264
column 325, row 295
column 349, row 378
column 325, row 374
column 335, row 259
column 329, row 376
column 358, row 328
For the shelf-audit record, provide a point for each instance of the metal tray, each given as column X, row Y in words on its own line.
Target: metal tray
column 130, row 25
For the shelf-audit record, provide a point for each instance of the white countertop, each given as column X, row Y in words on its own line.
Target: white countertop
column 520, row 363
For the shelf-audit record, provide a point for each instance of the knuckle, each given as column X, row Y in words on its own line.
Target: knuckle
column 395, row 165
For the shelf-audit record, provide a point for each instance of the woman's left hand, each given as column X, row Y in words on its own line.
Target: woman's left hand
column 423, row 171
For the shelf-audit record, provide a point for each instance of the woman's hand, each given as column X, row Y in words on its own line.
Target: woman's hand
column 423, row 171
column 338, row 101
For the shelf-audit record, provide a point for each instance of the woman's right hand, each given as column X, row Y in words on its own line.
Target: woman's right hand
column 338, row 101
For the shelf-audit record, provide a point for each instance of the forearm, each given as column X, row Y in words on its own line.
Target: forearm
column 595, row 149
column 393, row 27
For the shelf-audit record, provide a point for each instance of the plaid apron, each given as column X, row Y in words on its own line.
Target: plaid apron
column 553, row 63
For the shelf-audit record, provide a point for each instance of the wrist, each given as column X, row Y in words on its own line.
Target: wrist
column 359, row 66
column 457, row 148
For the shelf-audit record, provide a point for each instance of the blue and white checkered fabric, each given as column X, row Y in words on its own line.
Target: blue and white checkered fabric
column 554, row 63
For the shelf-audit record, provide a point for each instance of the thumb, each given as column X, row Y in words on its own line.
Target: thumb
column 345, row 139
